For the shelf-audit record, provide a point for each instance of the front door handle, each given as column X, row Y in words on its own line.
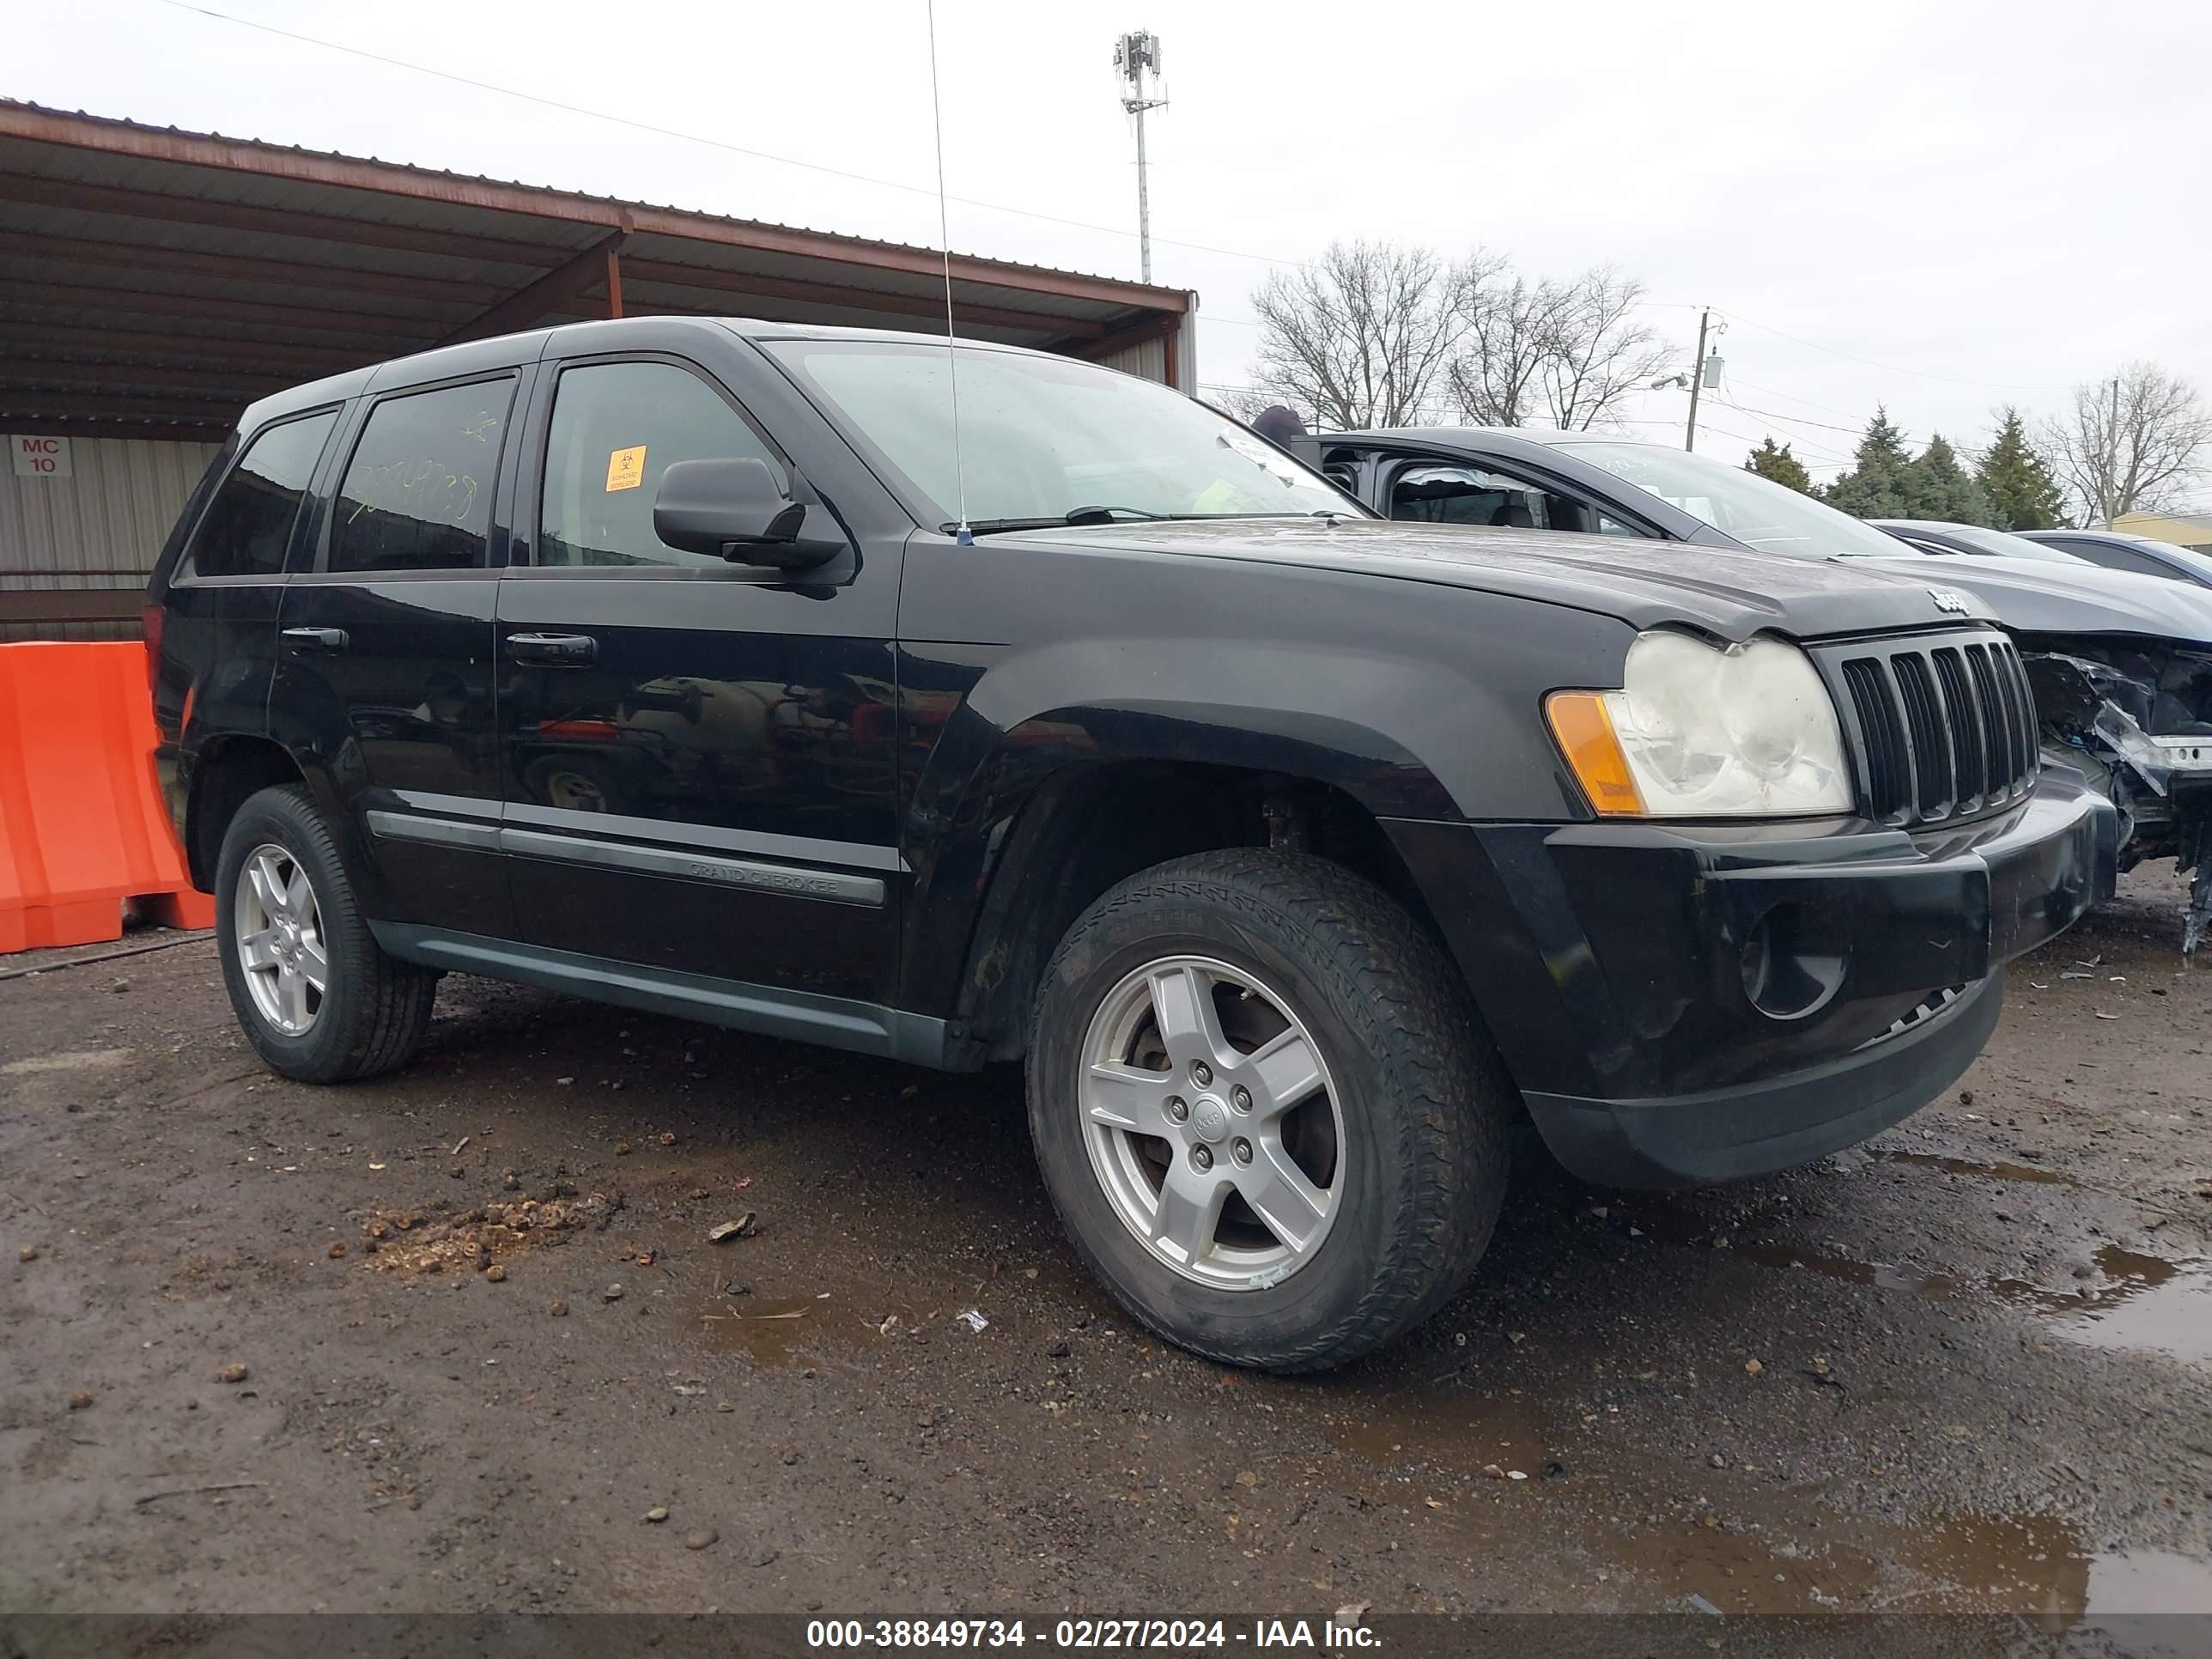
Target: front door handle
column 315, row 639
column 556, row 649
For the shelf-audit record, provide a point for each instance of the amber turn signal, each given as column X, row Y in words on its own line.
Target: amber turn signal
column 1584, row 730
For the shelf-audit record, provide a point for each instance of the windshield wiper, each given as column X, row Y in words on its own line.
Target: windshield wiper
column 1078, row 515
column 1096, row 515
column 1105, row 514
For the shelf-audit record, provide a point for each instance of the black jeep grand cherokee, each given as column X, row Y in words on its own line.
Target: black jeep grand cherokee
column 1294, row 850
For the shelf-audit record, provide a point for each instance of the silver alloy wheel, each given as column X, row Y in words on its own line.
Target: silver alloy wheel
column 1211, row 1122
column 278, row 929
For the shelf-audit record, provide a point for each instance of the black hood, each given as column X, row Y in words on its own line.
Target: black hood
column 1729, row 592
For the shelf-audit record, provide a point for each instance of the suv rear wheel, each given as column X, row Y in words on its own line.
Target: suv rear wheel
column 315, row 995
column 1262, row 1109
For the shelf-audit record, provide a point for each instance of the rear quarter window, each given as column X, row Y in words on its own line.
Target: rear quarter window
column 248, row 524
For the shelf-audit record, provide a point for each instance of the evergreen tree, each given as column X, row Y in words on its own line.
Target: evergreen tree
column 1938, row 488
column 1780, row 466
column 2023, row 495
column 1875, row 487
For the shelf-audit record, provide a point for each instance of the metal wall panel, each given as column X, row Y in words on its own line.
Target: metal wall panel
column 1148, row 362
column 102, row 527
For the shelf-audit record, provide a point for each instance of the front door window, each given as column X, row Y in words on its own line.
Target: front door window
column 616, row 427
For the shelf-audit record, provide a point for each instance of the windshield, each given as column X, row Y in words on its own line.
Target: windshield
column 1756, row 511
column 1995, row 543
column 1043, row 437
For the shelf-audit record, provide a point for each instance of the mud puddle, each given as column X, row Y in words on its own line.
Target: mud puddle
column 2140, row 1301
column 1998, row 1169
column 845, row 1324
column 1460, row 1431
column 2150, row 1304
column 1640, row 1535
column 770, row 1330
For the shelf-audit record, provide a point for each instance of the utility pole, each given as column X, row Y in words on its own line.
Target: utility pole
column 1137, row 67
column 1697, row 378
column 1705, row 372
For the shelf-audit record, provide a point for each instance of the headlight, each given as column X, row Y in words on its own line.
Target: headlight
column 1699, row 731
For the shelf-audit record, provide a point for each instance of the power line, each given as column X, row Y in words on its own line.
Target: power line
column 1800, row 420
column 1792, row 398
column 699, row 138
column 1795, row 437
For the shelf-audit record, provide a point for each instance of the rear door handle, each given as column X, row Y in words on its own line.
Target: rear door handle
column 315, row 639
column 552, row 648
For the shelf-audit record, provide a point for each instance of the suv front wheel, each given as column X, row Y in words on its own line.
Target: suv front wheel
column 314, row 993
column 1262, row 1109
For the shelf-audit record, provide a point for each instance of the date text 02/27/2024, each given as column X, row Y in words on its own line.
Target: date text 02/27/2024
column 1088, row 1634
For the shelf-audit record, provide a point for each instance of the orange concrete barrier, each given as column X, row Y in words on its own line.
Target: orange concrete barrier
column 82, row 829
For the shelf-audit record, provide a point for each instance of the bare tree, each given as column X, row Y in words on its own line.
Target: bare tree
column 1509, row 324
column 1359, row 337
column 1374, row 334
column 1600, row 351
column 2131, row 441
column 1245, row 403
column 1565, row 352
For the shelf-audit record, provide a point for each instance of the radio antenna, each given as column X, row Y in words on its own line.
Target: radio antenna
column 963, row 535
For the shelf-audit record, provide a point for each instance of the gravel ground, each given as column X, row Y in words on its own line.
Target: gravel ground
column 255, row 1359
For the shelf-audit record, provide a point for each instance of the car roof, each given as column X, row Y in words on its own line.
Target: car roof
column 511, row 351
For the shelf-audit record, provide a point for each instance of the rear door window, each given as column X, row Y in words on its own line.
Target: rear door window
column 249, row 523
column 418, row 490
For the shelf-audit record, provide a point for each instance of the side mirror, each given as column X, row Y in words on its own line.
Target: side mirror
column 734, row 510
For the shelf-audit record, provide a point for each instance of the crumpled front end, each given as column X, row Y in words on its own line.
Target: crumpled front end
column 2135, row 715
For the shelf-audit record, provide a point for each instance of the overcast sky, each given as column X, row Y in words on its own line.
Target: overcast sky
column 1941, row 207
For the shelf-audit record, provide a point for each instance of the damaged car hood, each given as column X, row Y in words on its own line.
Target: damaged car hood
column 2030, row 596
column 1731, row 592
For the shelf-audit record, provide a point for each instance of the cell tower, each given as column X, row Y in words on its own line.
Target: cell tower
column 1137, row 72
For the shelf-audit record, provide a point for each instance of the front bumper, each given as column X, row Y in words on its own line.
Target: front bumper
column 1683, row 1005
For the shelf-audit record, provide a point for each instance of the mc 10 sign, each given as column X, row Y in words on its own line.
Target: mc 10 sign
column 40, row 458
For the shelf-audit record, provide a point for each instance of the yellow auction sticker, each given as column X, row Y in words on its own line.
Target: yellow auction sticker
column 626, row 468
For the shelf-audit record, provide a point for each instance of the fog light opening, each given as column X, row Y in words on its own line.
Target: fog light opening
column 1794, row 961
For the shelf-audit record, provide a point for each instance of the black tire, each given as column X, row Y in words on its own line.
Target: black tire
column 1424, row 1098
column 373, row 1008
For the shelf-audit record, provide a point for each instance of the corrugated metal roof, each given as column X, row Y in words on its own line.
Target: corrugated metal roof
column 233, row 260
column 426, row 212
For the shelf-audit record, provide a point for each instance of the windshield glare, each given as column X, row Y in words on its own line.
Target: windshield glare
column 1041, row 437
column 1756, row 511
